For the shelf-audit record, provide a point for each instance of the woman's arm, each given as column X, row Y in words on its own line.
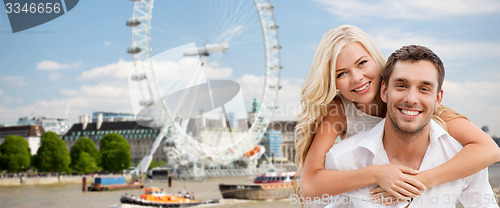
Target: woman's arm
column 479, row 152
column 316, row 181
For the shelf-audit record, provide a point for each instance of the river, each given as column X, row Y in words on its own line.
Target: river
column 70, row 194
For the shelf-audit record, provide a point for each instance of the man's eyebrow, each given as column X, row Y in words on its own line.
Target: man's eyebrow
column 428, row 83
column 400, row 79
column 424, row 82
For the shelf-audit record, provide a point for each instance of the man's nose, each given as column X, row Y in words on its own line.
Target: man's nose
column 411, row 96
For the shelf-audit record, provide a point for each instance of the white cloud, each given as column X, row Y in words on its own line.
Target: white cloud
column 470, row 59
column 13, row 80
column 54, row 76
column 107, row 43
column 115, row 71
column 214, row 71
column 69, row 92
column 288, row 97
column 163, row 70
column 419, row 10
column 391, row 39
column 476, row 100
column 52, row 65
column 1, row 92
column 104, row 90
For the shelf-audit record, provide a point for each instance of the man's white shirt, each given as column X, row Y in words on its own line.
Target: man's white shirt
column 366, row 148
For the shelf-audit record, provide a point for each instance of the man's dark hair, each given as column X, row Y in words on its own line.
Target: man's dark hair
column 413, row 53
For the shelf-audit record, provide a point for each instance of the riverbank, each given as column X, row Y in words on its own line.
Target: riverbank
column 48, row 180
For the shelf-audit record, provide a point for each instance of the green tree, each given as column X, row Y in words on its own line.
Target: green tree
column 14, row 154
column 84, row 145
column 115, row 153
column 52, row 156
column 85, row 163
column 155, row 163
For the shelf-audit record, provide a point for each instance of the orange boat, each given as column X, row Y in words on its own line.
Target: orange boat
column 158, row 197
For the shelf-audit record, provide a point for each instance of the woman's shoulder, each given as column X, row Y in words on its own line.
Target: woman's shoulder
column 336, row 109
column 335, row 117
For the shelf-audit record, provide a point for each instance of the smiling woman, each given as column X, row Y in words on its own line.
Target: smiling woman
column 357, row 76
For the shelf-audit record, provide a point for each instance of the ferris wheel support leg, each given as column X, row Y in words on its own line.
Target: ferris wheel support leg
column 144, row 164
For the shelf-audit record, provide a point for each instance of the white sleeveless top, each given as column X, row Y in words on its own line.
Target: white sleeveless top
column 357, row 120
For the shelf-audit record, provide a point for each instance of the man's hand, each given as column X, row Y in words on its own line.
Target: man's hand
column 399, row 181
column 379, row 195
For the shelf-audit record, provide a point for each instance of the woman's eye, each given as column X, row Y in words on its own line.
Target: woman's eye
column 362, row 63
column 341, row 74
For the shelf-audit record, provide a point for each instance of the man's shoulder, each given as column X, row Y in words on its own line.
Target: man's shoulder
column 444, row 139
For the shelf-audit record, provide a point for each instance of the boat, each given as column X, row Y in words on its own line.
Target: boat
column 158, row 197
column 268, row 186
column 159, row 173
column 113, row 183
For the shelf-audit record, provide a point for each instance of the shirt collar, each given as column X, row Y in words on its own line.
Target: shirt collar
column 372, row 140
column 436, row 131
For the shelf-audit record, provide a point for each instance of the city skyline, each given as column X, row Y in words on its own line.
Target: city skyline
column 78, row 63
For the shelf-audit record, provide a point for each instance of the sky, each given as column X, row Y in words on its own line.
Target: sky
column 77, row 64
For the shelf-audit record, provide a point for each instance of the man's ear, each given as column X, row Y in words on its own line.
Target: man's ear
column 383, row 92
column 439, row 98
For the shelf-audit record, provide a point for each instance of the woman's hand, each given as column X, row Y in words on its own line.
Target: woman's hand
column 379, row 195
column 399, row 181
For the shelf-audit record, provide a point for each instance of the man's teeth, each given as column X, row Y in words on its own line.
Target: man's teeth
column 410, row 113
column 362, row 88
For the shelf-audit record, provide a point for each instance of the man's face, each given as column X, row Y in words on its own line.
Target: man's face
column 411, row 95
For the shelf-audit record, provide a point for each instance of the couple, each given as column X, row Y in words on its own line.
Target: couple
column 389, row 151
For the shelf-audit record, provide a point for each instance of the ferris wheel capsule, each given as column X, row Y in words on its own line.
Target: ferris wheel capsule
column 133, row 22
column 134, row 50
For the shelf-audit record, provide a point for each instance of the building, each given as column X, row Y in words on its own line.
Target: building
column 112, row 116
column 57, row 125
column 31, row 133
column 272, row 142
column 287, row 129
column 139, row 137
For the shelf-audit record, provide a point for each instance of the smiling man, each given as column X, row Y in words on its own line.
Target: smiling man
column 411, row 87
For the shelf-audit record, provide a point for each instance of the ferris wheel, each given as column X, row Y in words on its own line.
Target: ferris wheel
column 232, row 38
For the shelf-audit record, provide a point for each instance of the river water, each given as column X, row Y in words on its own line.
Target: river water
column 70, row 194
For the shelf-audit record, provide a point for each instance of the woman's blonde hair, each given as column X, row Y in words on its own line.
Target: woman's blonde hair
column 319, row 87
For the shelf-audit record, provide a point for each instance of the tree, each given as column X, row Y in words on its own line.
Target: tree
column 84, row 145
column 52, row 156
column 14, row 154
column 155, row 163
column 85, row 163
column 115, row 153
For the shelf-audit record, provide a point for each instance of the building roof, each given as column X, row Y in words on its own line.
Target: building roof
column 24, row 131
column 120, row 125
column 124, row 128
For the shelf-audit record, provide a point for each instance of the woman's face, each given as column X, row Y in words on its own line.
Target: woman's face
column 357, row 74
